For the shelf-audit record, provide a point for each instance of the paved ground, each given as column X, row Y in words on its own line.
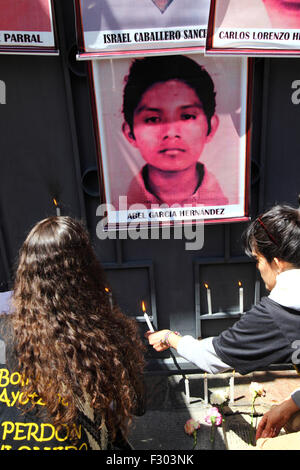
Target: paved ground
column 161, row 428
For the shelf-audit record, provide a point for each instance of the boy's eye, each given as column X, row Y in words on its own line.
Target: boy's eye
column 152, row 119
column 188, row 116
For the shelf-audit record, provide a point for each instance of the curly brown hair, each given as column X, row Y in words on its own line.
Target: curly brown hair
column 69, row 341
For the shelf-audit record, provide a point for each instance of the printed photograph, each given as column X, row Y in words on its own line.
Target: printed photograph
column 172, row 131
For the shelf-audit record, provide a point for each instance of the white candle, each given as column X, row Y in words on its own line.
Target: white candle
column 205, row 389
column 148, row 322
column 241, row 294
column 147, row 318
column 209, row 307
column 231, row 387
column 57, row 207
column 187, row 389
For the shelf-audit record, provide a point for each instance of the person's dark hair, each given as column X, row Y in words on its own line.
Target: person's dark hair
column 275, row 234
column 147, row 71
column 69, row 342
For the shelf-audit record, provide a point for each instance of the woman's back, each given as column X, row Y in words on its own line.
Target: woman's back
column 75, row 351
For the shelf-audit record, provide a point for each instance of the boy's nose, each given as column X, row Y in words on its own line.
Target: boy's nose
column 171, row 130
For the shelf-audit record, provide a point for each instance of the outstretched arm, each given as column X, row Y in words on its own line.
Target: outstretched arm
column 199, row 352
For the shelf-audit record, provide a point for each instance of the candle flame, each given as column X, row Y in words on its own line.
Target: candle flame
column 240, row 284
column 143, row 306
column 55, row 202
column 206, row 285
column 106, row 289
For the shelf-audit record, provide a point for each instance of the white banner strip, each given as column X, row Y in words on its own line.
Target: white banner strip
column 257, row 38
column 26, row 39
column 163, row 214
column 145, row 38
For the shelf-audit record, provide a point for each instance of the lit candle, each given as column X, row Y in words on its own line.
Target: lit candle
column 205, row 389
column 57, row 207
column 231, row 386
column 147, row 317
column 110, row 297
column 241, row 293
column 209, row 308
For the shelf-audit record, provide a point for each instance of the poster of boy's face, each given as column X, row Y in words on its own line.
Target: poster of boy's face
column 111, row 26
column 269, row 25
column 177, row 137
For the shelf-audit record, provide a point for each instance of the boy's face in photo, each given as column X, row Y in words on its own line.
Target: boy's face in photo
column 170, row 126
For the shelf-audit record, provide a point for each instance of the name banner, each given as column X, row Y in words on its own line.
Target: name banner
column 26, row 27
column 176, row 213
column 254, row 27
column 173, row 139
column 112, row 27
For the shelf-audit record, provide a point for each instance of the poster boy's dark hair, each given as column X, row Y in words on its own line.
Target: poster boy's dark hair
column 147, row 71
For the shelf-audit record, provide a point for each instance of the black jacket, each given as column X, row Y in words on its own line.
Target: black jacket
column 265, row 335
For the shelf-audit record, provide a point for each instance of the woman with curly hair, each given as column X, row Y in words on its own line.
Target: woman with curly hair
column 79, row 362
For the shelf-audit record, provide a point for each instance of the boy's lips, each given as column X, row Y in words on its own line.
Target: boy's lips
column 171, row 150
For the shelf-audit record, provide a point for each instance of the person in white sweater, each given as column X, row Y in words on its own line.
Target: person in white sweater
column 268, row 332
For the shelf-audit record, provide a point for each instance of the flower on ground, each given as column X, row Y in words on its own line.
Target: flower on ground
column 213, row 417
column 191, row 427
column 256, row 390
column 219, row 397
